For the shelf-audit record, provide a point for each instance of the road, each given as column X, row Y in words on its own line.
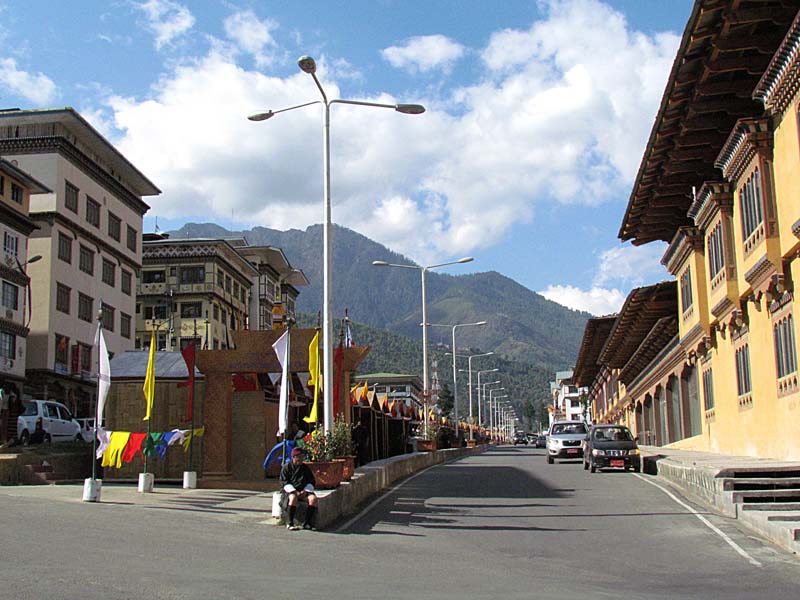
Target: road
column 503, row 524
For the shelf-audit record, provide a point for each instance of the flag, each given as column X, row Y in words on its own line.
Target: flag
column 103, row 376
column 149, row 387
column 316, row 378
column 188, row 357
column 348, row 335
column 281, row 347
column 338, row 364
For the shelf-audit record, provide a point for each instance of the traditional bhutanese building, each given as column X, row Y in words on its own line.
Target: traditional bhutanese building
column 718, row 181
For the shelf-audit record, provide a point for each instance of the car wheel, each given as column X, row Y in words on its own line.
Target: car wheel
column 78, row 437
column 637, row 468
column 585, row 465
column 549, row 460
column 25, row 438
column 592, row 468
column 47, row 438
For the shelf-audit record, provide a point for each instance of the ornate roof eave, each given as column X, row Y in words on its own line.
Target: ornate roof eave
column 594, row 337
column 781, row 80
column 747, row 137
column 657, row 340
column 686, row 241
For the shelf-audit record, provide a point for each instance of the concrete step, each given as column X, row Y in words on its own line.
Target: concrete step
column 759, row 483
column 777, row 522
column 785, row 495
column 784, row 517
column 771, row 506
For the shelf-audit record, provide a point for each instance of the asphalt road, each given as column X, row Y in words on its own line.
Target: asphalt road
column 503, row 524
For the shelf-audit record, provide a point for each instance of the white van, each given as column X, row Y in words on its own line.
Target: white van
column 46, row 421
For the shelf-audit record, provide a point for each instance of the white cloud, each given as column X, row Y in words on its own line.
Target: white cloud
column 34, row 87
column 596, row 301
column 167, row 20
column 631, row 265
column 424, row 53
column 252, row 34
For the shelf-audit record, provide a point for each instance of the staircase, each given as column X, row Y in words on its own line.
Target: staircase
column 768, row 500
column 43, row 473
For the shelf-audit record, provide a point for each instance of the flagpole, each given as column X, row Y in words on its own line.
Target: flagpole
column 96, row 403
column 194, row 359
column 289, row 374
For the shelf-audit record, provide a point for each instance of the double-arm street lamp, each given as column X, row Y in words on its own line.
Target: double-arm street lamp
column 455, row 368
column 308, row 65
column 423, row 271
column 469, row 363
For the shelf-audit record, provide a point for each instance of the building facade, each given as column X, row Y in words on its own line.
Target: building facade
column 89, row 238
column 568, row 398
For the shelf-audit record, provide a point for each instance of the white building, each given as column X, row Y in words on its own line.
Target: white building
column 568, row 399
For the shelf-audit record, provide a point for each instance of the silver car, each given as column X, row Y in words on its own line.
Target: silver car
column 565, row 440
column 47, row 421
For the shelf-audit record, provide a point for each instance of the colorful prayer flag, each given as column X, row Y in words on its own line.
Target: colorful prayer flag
column 103, row 376
column 281, row 348
column 150, row 377
column 316, row 376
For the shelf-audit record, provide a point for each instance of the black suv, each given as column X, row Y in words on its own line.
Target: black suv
column 611, row 446
column 520, row 438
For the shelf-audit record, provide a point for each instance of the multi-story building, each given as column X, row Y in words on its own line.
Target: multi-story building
column 709, row 362
column 89, row 237
column 199, row 290
column 16, row 187
column 567, row 398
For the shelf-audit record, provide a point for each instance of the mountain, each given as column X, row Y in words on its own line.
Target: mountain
column 521, row 325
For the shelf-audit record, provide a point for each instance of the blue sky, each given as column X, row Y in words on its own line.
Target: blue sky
column 537, row 117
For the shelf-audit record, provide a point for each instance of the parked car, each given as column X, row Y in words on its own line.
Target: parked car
column 520, row 438
column 87, row 428
column 564, row 440
column 46, row 421
column 541, row 441
column 611, row 446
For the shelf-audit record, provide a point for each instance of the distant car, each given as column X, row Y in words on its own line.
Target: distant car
column 87, row 428
column 520, row 438
column 565, row 439
column 611, row 447
column 541, row 441
column 47, row 421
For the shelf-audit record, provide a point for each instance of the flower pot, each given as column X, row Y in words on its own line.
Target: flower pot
column 328, row 474
column 426, row 445
column 471, row 443
column 348, row 467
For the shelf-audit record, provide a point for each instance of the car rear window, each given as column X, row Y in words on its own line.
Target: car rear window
column 614, row 434
column 569, row 428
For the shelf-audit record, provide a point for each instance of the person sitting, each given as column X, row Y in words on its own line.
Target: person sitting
column 298, row 484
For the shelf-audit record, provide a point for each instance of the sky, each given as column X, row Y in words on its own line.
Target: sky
column 537, row 115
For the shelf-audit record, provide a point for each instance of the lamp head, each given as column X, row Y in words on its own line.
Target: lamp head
column 380, row 263
column 307, row 65
column 263, row 116
column 410, row 109
column 466, row 259
column 33, row 259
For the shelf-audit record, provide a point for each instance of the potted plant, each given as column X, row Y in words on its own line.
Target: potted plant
column 340, row 442
column 427, row 443
column 327, row 472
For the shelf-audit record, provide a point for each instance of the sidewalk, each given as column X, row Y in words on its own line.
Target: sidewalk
column 761, row 493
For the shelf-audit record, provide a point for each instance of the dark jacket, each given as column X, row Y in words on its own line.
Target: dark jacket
column 297, row 475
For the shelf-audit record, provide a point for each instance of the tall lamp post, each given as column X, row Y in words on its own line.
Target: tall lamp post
column 469, row 365
column 455, row 368
column 423, row 270
column 485, row 386
column 480, row 389
column 492, row 407
column 308, row 65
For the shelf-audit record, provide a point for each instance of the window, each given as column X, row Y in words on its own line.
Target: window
column 223, row 316
column 156, row 311
column 131, row 238
column 85, row 307
column 686, row 290
column 10, row 244
column 216, row 312
column 114, row 226
column 153, row 277
column 708, row 389
column 125, row 325
column 86, row 262
column 126, row 279
column 16, row 193
column 108, row 317
column 8, row 345
column 193, row 274
column 92, row 212
column 109, row 272
column 750, row 205
column 173, row 271
column 86, row 357
column 2, row 185
column 235, row 289
column 62, row 348
column 64, row 248
column 716, row 254
column 227, row 284
column 71, row 197
column 10, row 295
column 744, row 384
column 244, row 295
column 191, row 310
column 62, row 298
column 785, row 350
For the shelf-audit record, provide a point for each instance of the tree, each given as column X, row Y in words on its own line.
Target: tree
column 445, row 402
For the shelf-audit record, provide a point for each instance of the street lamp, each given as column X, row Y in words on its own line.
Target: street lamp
column 26, row 319
column 492, row 407
column 455, row 369
column 308, row 65
column 469, row 363
column 479, row 390
column 423, row 270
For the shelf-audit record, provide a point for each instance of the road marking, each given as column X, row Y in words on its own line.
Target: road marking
column 379, row 500
column 706, row 522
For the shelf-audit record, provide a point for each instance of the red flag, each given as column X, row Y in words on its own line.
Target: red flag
column 338, row 365
column 188, row 357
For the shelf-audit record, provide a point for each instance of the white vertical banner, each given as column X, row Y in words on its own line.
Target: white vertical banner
column 281, row 347
column 103, row 375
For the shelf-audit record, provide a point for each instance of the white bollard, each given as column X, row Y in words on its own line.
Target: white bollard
column 189, row 480
column 92, row 489
column 146, row 481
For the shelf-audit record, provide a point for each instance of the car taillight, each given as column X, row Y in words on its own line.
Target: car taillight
column 39, row 421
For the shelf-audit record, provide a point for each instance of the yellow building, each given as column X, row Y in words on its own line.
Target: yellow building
column 718, row 182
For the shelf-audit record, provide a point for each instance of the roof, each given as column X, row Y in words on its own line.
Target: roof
column 725, row 49
column 133, row 365
column 643, row 308
column 663, row 332
column 594, row 338
column 34, row 185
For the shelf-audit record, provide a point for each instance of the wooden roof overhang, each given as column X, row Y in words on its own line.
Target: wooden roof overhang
column 594, row 337
column 662, row 333
column 725, row 49
column 643, row 308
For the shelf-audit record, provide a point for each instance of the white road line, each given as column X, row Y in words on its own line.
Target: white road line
column 706, row 522
column 379, row 500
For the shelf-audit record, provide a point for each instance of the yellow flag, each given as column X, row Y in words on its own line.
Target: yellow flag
column 150, row 377
column 315, row 379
